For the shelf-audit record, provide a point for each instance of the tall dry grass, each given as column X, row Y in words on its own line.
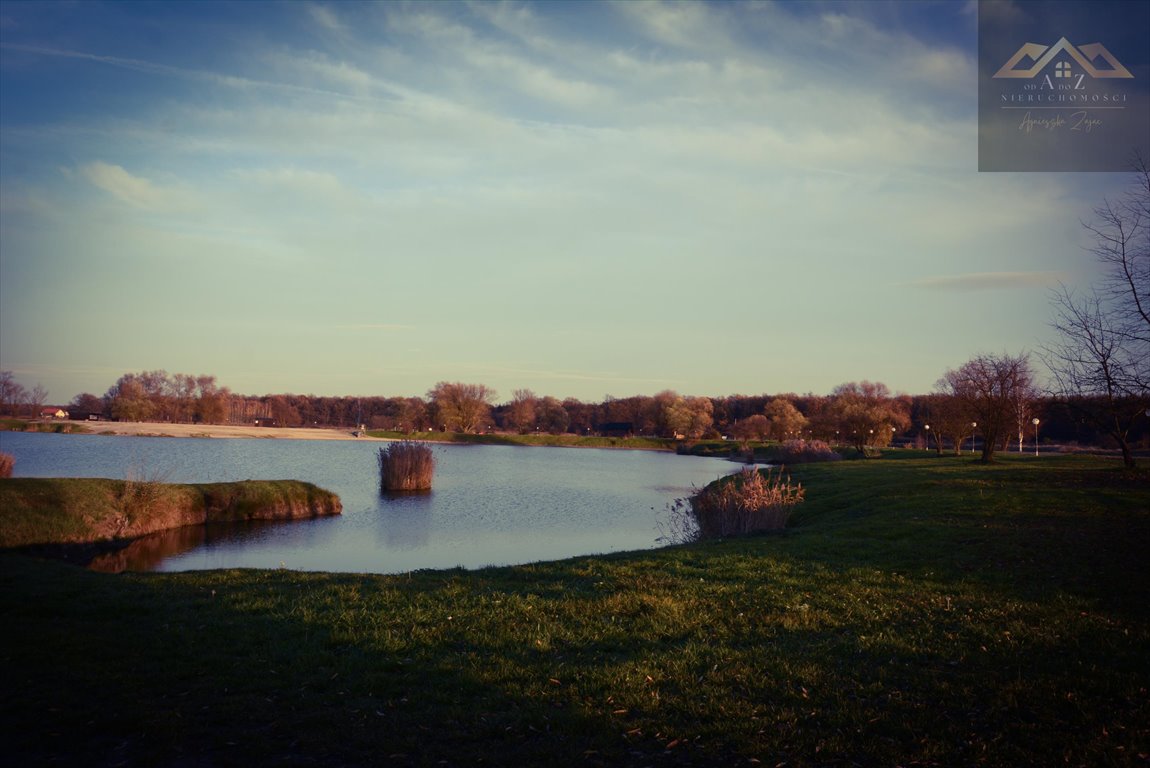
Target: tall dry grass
column 7, row 462
column 750, row 502
column 803, row 452
column 405, row 466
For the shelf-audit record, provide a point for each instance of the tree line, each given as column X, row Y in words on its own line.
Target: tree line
column 990, row 399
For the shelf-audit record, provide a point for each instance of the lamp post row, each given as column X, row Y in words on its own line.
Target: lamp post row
column 974, row 425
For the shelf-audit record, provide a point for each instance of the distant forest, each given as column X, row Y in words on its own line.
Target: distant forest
column 861, row 413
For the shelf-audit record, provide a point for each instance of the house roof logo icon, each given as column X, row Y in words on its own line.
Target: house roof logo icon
column 1042, row 56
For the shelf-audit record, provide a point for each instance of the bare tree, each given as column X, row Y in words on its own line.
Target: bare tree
column 128, row 400
column 865, row 414
column 12, row 393
column 521, row 412
column 1101, row 360
column 462, row 407
column 948, row 418
column 991, row 388
column 36, row 399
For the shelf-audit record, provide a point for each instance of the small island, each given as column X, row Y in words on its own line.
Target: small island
column 44, row 512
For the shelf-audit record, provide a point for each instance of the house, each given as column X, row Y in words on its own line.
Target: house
column 53, row 413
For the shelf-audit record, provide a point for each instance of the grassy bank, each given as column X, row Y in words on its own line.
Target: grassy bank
column 918, row 611
column 24, row 425
column 556, row 441
column 40, row 511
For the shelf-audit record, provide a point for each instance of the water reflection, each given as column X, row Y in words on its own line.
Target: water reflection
column 148, row 553
column 492, row 505
column 406, row 520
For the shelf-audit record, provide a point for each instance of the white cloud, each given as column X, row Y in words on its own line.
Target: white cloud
column 987, row 281
column 689, row 26
column 325, row 72
column 134, row 190
column 325, row 17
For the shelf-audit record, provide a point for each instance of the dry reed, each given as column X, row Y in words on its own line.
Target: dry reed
column 7, row 462
column 804, row 451
column 405, row 466
column 750, row 502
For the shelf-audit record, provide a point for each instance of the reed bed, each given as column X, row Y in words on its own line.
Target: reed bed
column 405, row 466
column 750, row 502
column 803, row 452
column 7, row 463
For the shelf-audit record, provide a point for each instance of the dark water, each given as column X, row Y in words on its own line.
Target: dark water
column 491, row 505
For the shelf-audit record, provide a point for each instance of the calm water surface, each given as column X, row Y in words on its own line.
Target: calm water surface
column 491, row 505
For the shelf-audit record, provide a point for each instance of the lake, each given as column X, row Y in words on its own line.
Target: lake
column 491, row 505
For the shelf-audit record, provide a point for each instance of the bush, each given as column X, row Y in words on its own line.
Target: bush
column 405, row 466
column 750, row 502
column 803, row 452
column 7, row 462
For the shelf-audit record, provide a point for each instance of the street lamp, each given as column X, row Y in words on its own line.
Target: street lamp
column 973, row 426
column 927, row 427
column 1035, row 423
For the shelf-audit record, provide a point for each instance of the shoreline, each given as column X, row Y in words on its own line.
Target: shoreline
column 224, row 431
column 238, row 431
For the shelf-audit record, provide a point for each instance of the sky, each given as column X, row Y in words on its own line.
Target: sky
column 583, row 199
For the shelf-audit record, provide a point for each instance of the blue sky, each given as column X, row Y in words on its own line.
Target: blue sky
column 578, row 198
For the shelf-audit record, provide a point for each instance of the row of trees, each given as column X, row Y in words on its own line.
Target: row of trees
column 991, row 395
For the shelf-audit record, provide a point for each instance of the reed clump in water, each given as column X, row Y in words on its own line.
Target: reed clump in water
column 749, row 502
column 405, row 466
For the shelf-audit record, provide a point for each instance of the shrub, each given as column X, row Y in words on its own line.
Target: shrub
column 750, row 502
column 803, row 451
column 7, row 462
column 405, row 466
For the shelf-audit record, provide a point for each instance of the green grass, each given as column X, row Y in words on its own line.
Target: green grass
column 561, row 441
column 920, row 611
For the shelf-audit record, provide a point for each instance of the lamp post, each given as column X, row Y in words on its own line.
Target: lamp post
column 927, row 428
column 973, row 426
column 1035, row 423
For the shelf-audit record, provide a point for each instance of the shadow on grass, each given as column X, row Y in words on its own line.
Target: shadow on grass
column 617, row 662
column 944, row 614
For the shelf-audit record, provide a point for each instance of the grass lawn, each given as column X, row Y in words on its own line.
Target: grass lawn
column 918, row 611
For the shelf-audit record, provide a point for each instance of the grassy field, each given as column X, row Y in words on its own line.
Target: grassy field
column 919, row 611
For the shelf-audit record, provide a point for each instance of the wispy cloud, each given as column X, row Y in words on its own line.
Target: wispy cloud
column 515, row 162
column 987, row 281
column 134, row 190
column 325, row 17
column 217, row 78
column 375, row 327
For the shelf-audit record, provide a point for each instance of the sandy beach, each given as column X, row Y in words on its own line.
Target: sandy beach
column 163, row 429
